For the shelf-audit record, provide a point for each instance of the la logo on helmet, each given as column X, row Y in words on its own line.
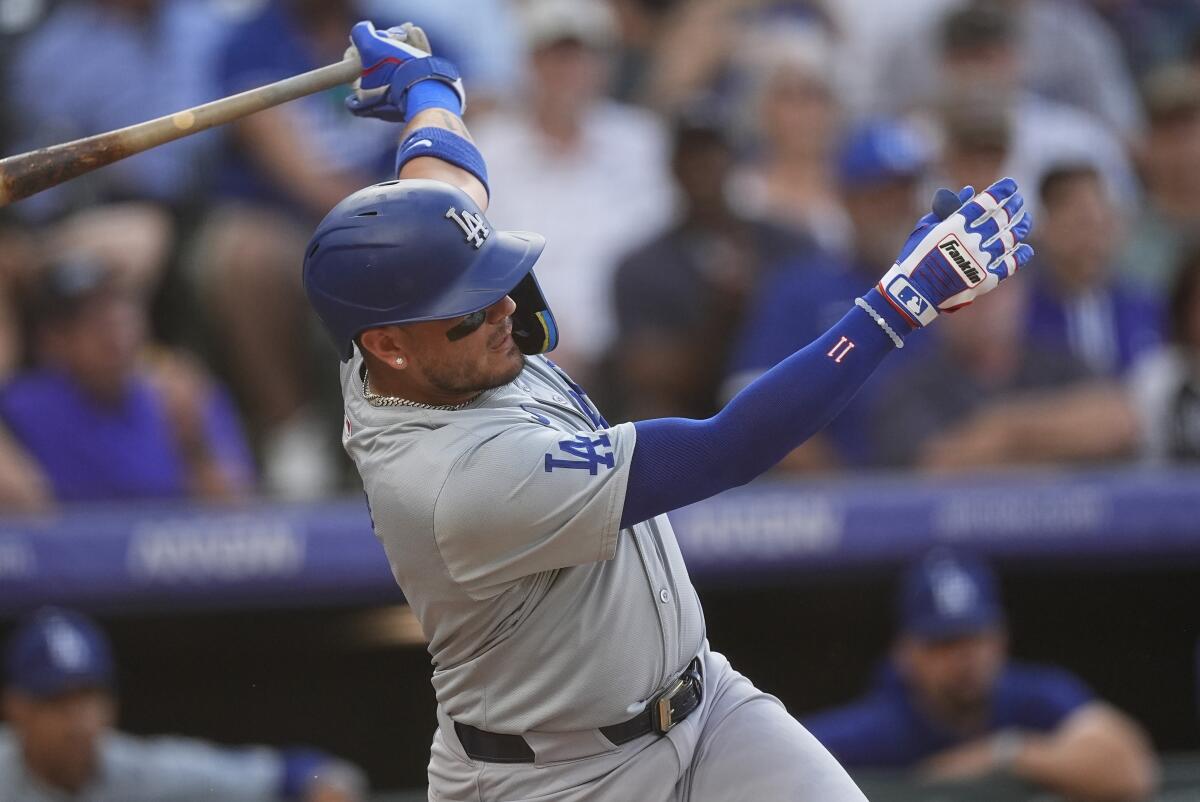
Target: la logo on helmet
column 472, row 225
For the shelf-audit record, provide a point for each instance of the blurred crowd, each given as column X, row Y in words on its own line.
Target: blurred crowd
column 717, row 180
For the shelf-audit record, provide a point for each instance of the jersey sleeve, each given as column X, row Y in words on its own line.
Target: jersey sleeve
column 531, row 499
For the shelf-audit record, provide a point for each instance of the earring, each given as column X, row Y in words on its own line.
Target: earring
column 400, row 361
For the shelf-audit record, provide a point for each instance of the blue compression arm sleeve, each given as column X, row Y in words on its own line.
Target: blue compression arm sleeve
column 677, row 461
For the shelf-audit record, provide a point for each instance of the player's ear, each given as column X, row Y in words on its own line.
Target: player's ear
column 384, row 344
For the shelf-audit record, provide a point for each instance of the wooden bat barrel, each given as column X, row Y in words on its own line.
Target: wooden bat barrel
column 29, row 173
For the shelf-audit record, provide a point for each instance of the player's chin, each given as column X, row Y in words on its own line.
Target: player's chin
column 505, row 364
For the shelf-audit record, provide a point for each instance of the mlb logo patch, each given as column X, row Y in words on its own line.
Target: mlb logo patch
column 914, row 303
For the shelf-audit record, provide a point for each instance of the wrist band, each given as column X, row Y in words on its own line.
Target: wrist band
column 414, row 72
column 883, row 324
column 438, row 143
column 431, row 95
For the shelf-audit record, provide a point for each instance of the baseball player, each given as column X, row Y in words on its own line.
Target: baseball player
column 529, row 535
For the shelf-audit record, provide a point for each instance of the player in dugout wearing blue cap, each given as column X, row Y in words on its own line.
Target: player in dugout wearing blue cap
column 60, row 745
column 950, row 704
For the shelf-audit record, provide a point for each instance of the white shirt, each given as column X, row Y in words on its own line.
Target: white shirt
column 1154, row 383
column 1067, row 53
column 593, row 204
column 1047, row 134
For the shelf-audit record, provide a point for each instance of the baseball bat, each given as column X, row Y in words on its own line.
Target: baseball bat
column 29, row 173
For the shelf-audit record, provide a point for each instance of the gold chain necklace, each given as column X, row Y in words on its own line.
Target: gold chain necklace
column 396, row 401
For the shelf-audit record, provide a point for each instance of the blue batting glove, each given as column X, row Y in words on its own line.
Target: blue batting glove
column 395, row 64
column 963, row 249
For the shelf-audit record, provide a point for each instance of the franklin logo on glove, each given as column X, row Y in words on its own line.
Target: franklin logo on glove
column 953, row 249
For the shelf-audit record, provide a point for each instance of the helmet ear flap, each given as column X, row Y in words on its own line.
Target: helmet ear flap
column 534, row 329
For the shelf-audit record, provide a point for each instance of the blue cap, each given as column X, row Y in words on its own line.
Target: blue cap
column 882, row 150
column 947, row 595
column 56, row 651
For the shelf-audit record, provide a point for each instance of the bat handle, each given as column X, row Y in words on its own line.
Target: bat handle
column 30, row 173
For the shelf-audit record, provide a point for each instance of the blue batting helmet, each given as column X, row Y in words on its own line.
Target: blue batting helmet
column 413, row 250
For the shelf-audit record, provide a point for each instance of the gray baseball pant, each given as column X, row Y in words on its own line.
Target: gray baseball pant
column 739, row 744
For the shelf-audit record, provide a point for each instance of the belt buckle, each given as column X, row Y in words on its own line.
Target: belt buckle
column 663, row 715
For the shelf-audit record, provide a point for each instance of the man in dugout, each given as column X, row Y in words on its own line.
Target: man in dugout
column 952, row 706
column 60, row 745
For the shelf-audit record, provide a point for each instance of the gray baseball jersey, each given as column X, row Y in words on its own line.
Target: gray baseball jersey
column 153, row 770
column 501, row 522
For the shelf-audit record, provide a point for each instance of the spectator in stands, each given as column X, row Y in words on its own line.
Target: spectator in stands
column 1154, row 32
column 704, row 46
column 980, row 63
column 103, row 418
column 681, row 297
column 982, row 398
column 792, row 178
column 976, row 138
column 60, row 744
column 23, row 487
column 880, row 167
column 1079, row 302
column 951, row 705
column 1165, row 384
column 18, row 251
column 1063, row 52
column 173, row 41
column 643, row 24
column 867, row 32
column 284, row 168
column 134, row 211
column 588, row 173
column 1169, row 159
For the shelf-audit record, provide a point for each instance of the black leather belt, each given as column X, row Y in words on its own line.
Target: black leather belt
column 662, row 713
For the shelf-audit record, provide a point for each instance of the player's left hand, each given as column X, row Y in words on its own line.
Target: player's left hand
column 393, row 61
column 963, row 249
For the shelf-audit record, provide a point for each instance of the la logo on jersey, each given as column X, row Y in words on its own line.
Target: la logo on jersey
column 471, row 224
column 585, row 451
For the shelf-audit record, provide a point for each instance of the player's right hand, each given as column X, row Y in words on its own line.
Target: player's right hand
column 393, row 61
column 964, row 249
